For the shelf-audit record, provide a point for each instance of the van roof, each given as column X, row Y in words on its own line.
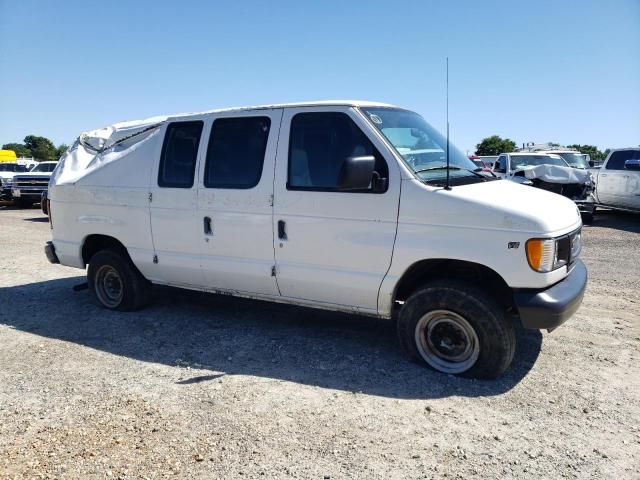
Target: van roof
column 316, row 103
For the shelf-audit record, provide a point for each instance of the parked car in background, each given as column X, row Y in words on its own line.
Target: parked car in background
column 617, row 181
column 551, row 172
column 44, row 202
column 8, row 170
column 354, row 212
column 28, row 187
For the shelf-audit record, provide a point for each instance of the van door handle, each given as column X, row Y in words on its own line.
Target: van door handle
column 282, row 230
column 208, row 230
column 603, row 174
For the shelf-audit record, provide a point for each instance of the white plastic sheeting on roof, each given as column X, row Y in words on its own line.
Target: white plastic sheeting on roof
column 557, row 174
column 96, row 148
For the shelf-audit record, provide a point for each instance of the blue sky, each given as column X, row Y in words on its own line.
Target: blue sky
column 563, row 71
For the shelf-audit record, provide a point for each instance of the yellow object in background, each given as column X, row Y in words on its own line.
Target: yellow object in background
column 7, row 156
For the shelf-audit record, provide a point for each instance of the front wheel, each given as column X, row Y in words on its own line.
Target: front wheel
column 457, row 329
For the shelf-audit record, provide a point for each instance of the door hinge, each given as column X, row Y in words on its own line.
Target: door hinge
column 271, row 200
column 150, row 196
column 273, row 271
column 155, row 259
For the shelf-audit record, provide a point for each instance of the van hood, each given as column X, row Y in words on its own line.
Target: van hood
column 505, row 205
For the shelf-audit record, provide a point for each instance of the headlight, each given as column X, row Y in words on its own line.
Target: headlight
column 549, row 254
column 541, row 254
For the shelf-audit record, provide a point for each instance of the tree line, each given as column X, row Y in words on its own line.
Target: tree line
column 495, row 145
column 40, row 148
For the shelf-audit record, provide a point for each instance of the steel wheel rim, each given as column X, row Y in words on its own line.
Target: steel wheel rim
column 447, row 341
column 109, row 287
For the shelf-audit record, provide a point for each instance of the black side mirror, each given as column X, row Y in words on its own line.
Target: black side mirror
column 356, row 173
column 633, row 164
column 592, row 163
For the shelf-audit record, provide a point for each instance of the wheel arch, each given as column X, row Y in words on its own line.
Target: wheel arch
column 93, row 243
column 424, row 271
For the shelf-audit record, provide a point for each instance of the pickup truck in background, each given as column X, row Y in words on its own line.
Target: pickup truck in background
column 27, row 188
column 617, row 181
column 551, row 172
column 7, row 171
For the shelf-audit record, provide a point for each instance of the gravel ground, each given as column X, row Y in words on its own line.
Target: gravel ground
column 205, row 386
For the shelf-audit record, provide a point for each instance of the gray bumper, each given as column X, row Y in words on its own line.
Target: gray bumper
column 50, row 252
column 550, row 308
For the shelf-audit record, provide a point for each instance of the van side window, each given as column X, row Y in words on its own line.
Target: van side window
column 318, row 145
column 235, row 155
column 179, row 154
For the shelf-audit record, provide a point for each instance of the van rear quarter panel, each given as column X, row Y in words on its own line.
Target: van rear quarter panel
column 112, row 200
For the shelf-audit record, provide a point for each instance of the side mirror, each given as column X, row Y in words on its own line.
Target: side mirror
column 592, row 163
column 633, row 164
column 356, row 173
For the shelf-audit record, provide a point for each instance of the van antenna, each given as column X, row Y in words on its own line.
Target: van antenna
column 447, row 185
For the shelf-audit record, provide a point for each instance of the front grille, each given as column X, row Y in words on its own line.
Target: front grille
column 27, row 183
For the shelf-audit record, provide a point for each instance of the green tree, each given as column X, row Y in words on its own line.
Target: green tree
column 62, row 148
column 20, row 149
column 494, row 145
column 592, row 150
column 41, row 148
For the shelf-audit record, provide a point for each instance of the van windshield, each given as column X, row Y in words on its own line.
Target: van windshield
column 422, row 147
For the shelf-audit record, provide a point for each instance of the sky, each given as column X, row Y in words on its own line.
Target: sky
column 537, row 71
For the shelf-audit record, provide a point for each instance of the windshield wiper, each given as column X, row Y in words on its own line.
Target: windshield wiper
column 443, row 167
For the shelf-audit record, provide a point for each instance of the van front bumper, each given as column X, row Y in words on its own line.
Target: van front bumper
column 550, row 308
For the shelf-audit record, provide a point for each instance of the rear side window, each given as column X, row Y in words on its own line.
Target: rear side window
column 235, row 155
column 179, row 154
column 617, row 159
column 318, row 145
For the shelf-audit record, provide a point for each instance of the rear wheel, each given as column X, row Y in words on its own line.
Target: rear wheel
column 115, row 283
column 457, row 329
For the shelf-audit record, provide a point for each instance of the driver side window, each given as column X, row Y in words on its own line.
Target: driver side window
column 319, row 143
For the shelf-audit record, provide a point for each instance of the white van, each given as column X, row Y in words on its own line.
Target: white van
column 341, row 205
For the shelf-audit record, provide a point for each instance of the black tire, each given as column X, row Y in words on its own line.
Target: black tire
column 24, row 202
column 587, row 218
column 115, row 282
column 437, row 308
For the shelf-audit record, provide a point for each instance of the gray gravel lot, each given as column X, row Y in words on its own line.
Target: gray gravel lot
column 205, row 386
